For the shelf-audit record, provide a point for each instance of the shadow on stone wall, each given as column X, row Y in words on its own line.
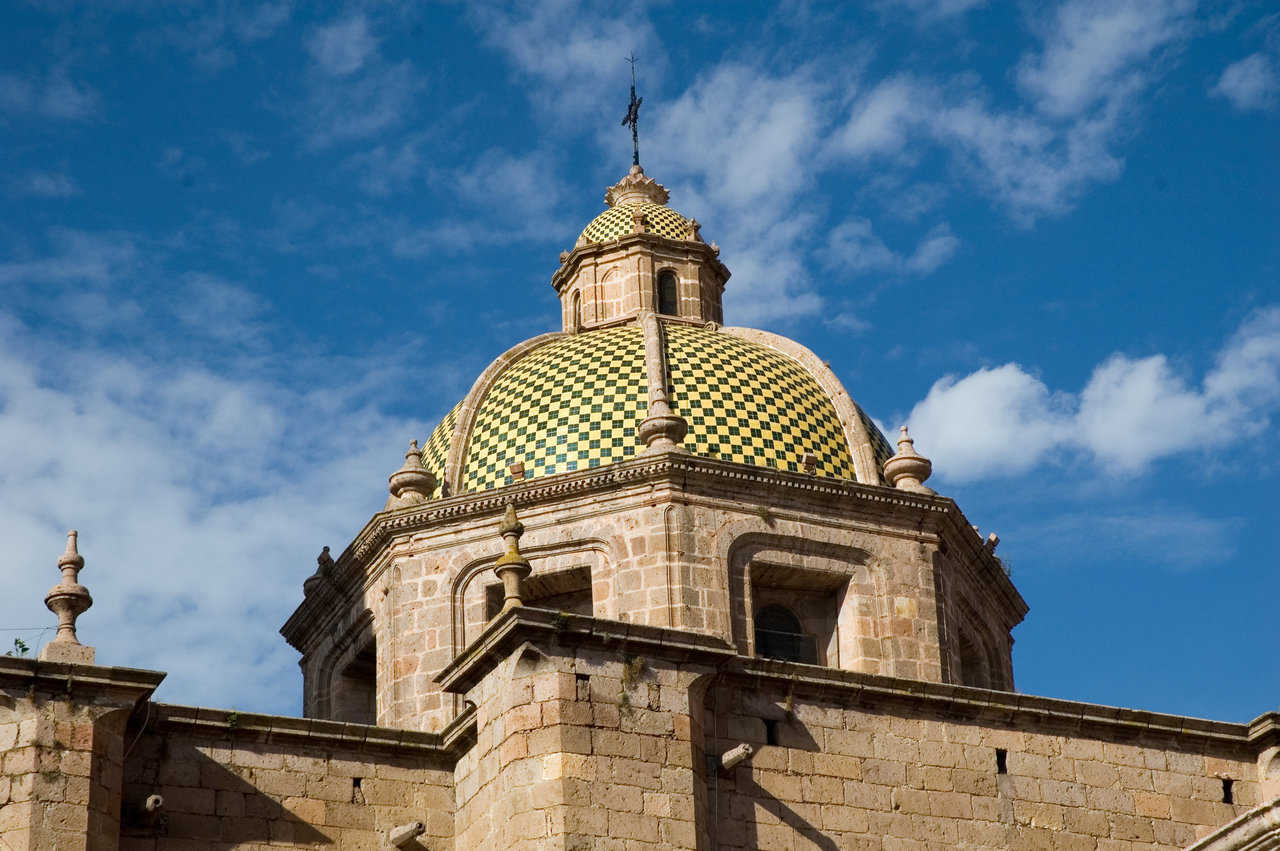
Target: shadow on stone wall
column 205, row 801
column 783, row 813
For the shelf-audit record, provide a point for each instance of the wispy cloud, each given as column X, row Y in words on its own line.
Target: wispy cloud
column 213, row 38
column 1153, row 537
column 1100, row 50
column 1003, row 421
column 76, row 257
column 1253, row 83
column 571, row 47
column 342, row 47
column 362, row 104
column 44, row 184
column 51, row 95
column 931, row 11
column 854, row 248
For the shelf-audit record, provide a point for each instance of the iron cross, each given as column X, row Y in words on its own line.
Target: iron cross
column 633, row 114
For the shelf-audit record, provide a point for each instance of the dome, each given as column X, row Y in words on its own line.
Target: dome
column 567, row 402
column 618, row 221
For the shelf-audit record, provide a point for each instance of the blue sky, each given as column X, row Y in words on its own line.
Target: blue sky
column 247, row 251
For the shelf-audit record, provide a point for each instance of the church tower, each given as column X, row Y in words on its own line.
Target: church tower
column 668, row 471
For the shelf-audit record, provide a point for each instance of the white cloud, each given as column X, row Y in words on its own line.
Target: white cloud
column 194, row 491
column 343, row 47
column 738, row 149
column 993, row 422
column 1252, row 83
column 1031, row 165
column 1080, row 89
column 1130, row 414
column 1100, row 49
column 45, row 184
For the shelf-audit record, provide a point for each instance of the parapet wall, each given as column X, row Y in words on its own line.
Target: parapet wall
column 854, row 763
column 239, row 780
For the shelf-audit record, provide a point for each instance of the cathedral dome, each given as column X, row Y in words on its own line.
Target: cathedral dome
column 566, row 402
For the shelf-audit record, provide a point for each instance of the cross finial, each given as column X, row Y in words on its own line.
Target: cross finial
column 633, row 114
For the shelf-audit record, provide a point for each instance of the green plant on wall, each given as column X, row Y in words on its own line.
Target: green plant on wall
column 20, row 648
column 633, row 670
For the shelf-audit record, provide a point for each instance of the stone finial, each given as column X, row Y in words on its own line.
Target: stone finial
column 516, row 469
column 564, row 257
column 511, row 567
column 413, row 483
column 809, row 462
column 636, row 188
column 68, row 600
column 715, row 249
column 908, row 469
column 637, row 221
column 694, row 233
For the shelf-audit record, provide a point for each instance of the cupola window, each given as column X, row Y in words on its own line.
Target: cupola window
column 779, row 635
column 668, row 302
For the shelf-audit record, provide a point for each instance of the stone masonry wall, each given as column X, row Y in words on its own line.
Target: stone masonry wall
column 581, row 749
column 904, row 777
column 656, row 556
column 257, row 781
column 60, row 773
column 61, row 752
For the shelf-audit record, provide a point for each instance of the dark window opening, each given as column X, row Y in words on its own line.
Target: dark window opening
column 770, row 731
column 973, row 664
column 577, row 311
column 780, row 636
column 355, row 697
column 1228, row 793
column 668, row 299
column 1002, row 761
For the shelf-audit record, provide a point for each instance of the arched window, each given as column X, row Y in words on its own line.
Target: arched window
column 779, row 635
column 577, row 311
column 668, row 299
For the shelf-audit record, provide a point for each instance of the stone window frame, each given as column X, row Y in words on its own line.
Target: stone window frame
column 781, row 562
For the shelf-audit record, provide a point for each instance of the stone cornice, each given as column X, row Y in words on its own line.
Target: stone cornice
column 675, row 466
column 574, row 260
column 505, row 633
column 680, row 469
column 953, row 702
column 454, row 740
column 956, row 702
column 71, row 678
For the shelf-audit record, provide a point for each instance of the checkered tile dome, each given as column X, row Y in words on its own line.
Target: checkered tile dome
column 617, row 221
column 575, row 402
